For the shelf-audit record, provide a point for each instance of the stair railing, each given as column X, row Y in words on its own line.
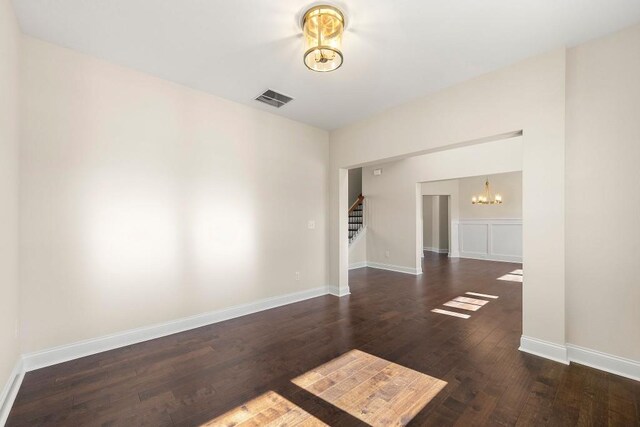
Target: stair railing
column 357, row 203
column 356, row 217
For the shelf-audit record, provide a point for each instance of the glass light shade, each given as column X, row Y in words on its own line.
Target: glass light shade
column 323, row 27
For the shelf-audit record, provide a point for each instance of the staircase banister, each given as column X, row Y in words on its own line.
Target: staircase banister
column 357, row 203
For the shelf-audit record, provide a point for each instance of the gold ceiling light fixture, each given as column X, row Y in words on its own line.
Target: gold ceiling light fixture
column 486, row 198
column 322, row 27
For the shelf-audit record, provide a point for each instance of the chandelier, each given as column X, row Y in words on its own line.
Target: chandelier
column 323, row 27
column 486, row 198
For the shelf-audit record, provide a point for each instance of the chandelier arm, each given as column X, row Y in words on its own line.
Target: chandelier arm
column 486, row 198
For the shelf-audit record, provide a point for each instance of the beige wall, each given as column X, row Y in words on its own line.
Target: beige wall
column 358, row 250
column 393, row 225
column 355, row 185
column 144, row 201
column 603, row 206
column 508, row 185
column 527, row 96
column 9, row 63
column 602, row 93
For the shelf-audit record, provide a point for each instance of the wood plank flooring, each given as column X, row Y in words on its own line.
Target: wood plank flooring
column 374, row 390
column 194, row 377
column 269, row 409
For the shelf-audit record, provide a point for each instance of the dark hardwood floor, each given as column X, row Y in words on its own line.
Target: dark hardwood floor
column 192, row 377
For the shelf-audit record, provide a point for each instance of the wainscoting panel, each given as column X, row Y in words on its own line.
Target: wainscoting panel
column 474, row 239
column 491, row 239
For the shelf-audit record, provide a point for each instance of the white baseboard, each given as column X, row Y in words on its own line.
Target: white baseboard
column 559, row 353
column 492, row 257
column 436, row 250
column 571, row 353
column 604, row 362
column 10, row 391
column 544, row 349
column 380, row 266
column 356, row 265
column 396, row 268
column 88, row 347
column 336, row 291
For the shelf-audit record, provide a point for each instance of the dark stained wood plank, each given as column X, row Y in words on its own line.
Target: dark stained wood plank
column 193, row 377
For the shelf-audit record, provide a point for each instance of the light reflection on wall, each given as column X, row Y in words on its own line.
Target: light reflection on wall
column 132, row 238
column 191, row 247
column 221, row 240
column 144, row 201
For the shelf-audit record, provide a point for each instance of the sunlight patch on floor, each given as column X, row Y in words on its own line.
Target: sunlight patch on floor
column 462, row 305
column 482, row 295
column 267, row 409
column 511, row 278
column 471, row 300
column 374, row 390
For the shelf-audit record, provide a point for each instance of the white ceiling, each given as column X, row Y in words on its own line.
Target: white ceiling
column 394, row 50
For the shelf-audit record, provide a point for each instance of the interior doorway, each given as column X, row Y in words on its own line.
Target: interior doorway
column 435, row 224
column 393, row 191
column 482, row 215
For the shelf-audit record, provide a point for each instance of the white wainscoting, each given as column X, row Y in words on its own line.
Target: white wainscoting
column 490, row 239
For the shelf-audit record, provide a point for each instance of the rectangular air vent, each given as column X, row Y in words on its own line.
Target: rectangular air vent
column 274, row 98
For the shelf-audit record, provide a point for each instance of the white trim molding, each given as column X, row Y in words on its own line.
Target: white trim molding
column 337, row 292
column 546, row 349
column 88, row 347
column 454, row 239
column 604, row 362
column 396, row 268
column 380, row 266
column 436, row 250
column 571, row 353
column 10, row 391
column 492, row 239
column 357, row 265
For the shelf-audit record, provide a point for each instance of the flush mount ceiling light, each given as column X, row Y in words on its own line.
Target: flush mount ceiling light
column 486, row 198
column 323, row 27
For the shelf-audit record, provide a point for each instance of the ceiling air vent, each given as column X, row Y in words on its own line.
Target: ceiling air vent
column 274, row 98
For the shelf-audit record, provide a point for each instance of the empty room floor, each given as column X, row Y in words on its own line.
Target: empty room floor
column 276, row 363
